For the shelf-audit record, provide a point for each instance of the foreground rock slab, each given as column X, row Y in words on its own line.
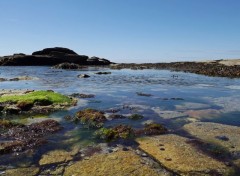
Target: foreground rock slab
column 175, row 153
column 56, row 156
column 225, row 136
column 117, row 164
column 30, row 171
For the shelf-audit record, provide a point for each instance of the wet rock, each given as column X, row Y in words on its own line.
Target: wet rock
column 143, row 94
column 23, row 137
column 29, row 171
column 12, row 110
column 78, row 95
column 117, row 132
column 67, row 66
column 21, row 78
column 3, row 79
column 55, row 156
column 226, row 136
column 24, row 105
column 116, row 116
column 91, row 117
column 151, row 129
column 135, row 117
column 5, row 124
column 116, row 163
column 181, row 157
column 83, row 76
column 103, row 73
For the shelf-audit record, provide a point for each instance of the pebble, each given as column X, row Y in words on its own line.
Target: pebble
column 144, row 155
column 168, row 159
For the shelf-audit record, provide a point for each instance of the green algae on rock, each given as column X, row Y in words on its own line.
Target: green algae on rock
column 91, row 117
column 14, row 102
column 117, row 132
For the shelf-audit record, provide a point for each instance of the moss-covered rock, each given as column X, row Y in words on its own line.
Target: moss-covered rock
column 91, row 118
column 14, row 102
column 118, row 132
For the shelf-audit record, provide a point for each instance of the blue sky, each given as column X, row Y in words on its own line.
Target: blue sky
column 124, row 30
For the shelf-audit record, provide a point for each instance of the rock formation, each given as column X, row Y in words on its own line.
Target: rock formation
column 50, row 57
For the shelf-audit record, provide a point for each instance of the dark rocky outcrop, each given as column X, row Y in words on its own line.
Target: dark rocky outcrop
column 214, row 68
column 50, row 57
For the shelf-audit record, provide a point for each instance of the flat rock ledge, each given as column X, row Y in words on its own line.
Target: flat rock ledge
column 117, row 163
column 226, row 136
column 176, row 154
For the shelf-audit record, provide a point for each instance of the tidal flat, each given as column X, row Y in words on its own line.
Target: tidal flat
column 118, row 122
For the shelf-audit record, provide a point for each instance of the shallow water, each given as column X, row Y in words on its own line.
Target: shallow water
column 175, row 101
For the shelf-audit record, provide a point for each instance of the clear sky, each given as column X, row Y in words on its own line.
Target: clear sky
column 124, row 30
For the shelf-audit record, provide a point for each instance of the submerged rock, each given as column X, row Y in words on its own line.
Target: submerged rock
column 176, row 154
column 103, row 73
column 143, row 94
column 79, row 95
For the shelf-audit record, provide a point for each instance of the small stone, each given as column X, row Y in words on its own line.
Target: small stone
column 144, row 155
column 83, row 76
column 115, row 149
column 168, row 159
column 125, row 149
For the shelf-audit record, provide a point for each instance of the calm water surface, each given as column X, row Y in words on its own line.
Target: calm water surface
column 175, row 101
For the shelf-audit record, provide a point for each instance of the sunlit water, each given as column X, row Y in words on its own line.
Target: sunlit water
column 175, row 101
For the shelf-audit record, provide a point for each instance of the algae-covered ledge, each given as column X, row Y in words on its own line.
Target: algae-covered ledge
column 30, row 101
